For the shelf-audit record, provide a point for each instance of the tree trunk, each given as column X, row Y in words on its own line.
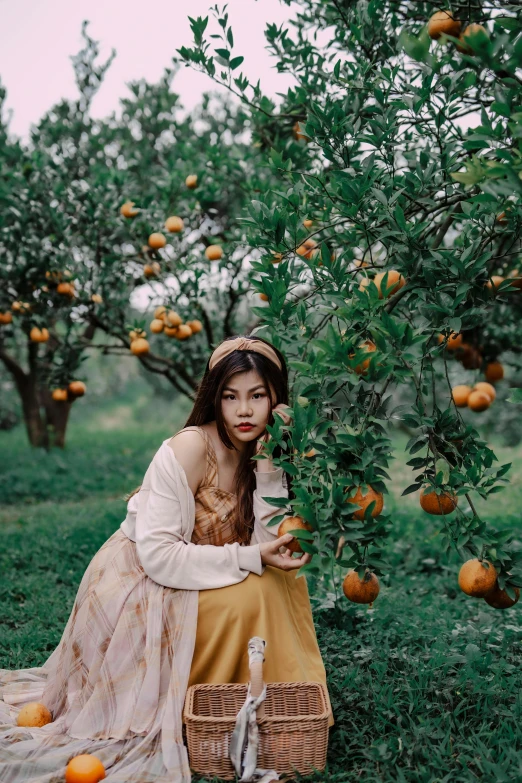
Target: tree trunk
column 57, row 416
column 34, row 423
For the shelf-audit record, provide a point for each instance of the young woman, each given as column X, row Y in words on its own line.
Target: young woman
column 174, row 595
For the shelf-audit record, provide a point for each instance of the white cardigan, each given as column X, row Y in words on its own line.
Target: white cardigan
column 160, row 519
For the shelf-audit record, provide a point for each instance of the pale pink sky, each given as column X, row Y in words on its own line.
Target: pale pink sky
column 38, row 36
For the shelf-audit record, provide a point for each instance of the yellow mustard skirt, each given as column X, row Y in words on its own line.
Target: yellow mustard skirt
column 274, row 606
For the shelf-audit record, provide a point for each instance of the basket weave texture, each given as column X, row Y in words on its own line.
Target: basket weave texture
column 293, row 732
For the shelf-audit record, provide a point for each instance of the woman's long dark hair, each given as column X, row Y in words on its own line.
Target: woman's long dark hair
column 207, row 408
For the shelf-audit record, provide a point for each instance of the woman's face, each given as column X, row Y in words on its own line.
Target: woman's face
column 245, row 401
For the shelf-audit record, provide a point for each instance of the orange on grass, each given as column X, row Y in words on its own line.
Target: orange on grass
column 460, row 395
column 84, row 769
column 172, row 318
column 60, row 395
column 474, row 31
column 128, row 210
column 6, row 318
column 151, row 270
column 479, row 401
column 306, row 250
column 34, row 715
column 369, row 347
column 157, row 240
column 156, row 325
column 443, row 23
column 77, row 388
column 195, row 325
column 439, row 505
column 361, row 591
column 289, row 524
column 454, row 341
column 96, row 298
column 174, row 224
column 476, row 579
column 183, row 331
column 192, row 181
column 214, row 252
column 394, row 283
column 139, row 346
column 37, row 335
column 499, row 599
column 494, row 372
column 363, row 501
column 65, row 289
column 486, row 388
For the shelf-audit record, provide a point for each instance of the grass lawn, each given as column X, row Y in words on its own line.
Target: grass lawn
column 426, row 686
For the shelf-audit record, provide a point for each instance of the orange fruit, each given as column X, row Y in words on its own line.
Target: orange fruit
column 214, row 252
column 84, row 769
column 308, row 223
column 395, row 282
column 39, row 335
column 439, row 505
column 486, row 388
column 494, row 372
column 65, row 289
column 183, row 331
column 192, row 181
column 21, row 307
column 160, row 312
column 6, row 318
column 151, row 270
column 195, row 325
column 277, row 258
column 310, row 453
column 361, row 591
column 470, row 358
column 307, row 248
column 454, row 341
column 34, row 715
column 502, row 219
column 127, row 209
column 157, row 240
column 476, row 31
column 172, row 318
column 298, row 134
column 477, row 580
column 499, row 599
column 263, row 297
column 60, row 395
column 360, row 264
column 96, row 298
column 494, row 282
column 157, row 325
column 443, row 23
column 77, row 388
column 139, row 346
column 460, row 395
column 174, row 224
column 369, row 347
column 479, row 401
column 287, row 526
column 363, row 501
column 171, row 331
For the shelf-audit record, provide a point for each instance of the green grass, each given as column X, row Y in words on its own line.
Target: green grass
column 426, row 687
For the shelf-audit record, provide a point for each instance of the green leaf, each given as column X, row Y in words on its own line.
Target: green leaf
column 236, row 62
column 515, row 396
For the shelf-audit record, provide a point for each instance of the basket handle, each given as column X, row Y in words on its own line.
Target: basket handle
column 256, row 682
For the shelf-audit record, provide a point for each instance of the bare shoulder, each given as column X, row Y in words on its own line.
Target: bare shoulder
column 190, row 451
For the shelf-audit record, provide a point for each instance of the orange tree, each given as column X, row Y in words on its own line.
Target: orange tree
column 88, row 250
column 399, row 233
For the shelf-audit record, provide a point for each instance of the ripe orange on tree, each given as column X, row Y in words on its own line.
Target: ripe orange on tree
column 443, row 23
column 6, row 318
column 37, row 335
column 21, row 307
column 438, row 505
column 192, row 181
column 477, row 579
column 494, row 282
column 486, row 388
column 394, row 283
column 369, row 347
column 308, row 223
column 293, row 523
column 263, row 296
column 172, row 318
column 361, row 591
column 34, row 715
column 298, row 134
column 96, row 298
column 499, row 599
column 473, row 34
column 460, row 395
column 277, row 258
column 363, row 501
column 195, row 325
column 139, row 346
column 160, row 312
column 214, row 252
column 157, row 325
column 84, row 768
column 151, row 270
column 183, row 331
column 479, row 401
column 60, row 395
column 77, row 388
column 157, row 240
column 128, row 210
column 66, row 289
column 494, row 372
column 174, row 224
column 170, row 331
column 454, row 341
column 306, row 250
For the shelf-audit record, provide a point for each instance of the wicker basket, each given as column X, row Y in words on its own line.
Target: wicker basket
column 292, row 721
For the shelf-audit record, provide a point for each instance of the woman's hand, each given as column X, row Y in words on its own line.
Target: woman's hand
column 270, row 554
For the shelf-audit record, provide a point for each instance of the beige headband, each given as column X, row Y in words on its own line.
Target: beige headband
column 243, row 344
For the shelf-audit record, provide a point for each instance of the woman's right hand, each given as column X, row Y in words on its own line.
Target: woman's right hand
column 271, row 556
